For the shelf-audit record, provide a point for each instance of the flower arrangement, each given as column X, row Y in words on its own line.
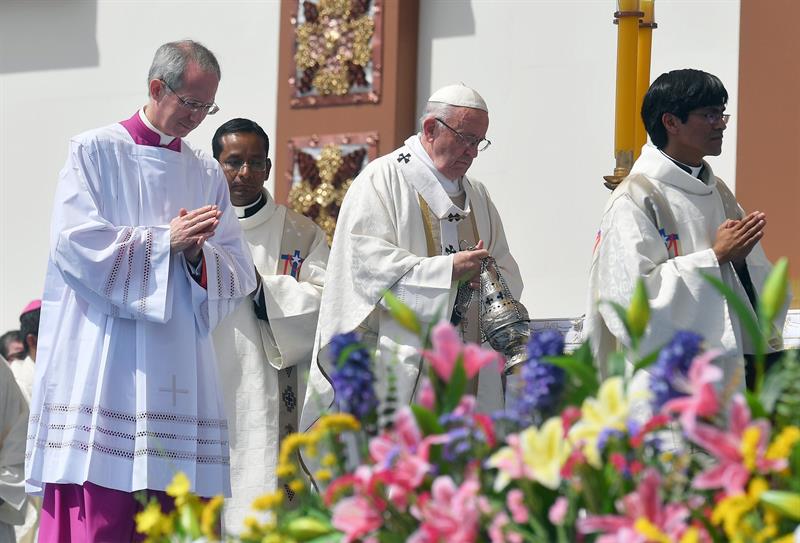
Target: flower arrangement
column 684, row 457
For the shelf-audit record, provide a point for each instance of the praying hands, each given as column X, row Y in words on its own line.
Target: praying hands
column 190, row 229
column 735, row 239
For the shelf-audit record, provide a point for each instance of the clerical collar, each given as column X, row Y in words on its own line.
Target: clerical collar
column 166, row 139
column 694, row 171
column 450, row 186
column 242, row 212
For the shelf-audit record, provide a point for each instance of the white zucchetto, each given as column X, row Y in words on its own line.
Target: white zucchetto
column 460, row 96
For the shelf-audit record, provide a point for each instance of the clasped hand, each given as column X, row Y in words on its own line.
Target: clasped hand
column 190, row 230
column 735, row 239
column 467, row 265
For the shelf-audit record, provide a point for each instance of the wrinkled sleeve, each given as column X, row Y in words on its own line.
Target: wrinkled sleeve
column 122, row 271
column 421, row 282
column 228, row 265
column 498, row 248
column 680, row 298
column 293, row 307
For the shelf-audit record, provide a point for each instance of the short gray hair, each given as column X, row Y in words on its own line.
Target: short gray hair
column 171, row 59
column 434, row 110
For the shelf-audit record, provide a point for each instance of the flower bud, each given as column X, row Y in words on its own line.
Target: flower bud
column 402, row 313
column 776, row 287
column 639, row 311
column 307, row 528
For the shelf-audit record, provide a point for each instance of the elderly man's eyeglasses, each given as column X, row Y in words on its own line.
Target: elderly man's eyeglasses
column 714, row 117
column 234, row 165
column 193, row 105
column 470, row 141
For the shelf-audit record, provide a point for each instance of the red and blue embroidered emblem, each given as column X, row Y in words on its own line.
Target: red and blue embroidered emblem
column 292, row 264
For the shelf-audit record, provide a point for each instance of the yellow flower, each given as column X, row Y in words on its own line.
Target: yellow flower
column 210, row 516
column 268, row 501
column 692, row 535
column 608, row 411
column 749, row 446
column 329, row 460
column 781, row 447
column 297, row 485
column 149, row 520
column 323, row 475
column 180, row 485
column 285, row 470
column 339, row 422
column 730, row 510
column 650, row 531
column 545, row 451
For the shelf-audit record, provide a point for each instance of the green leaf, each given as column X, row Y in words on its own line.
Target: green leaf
column 616, row 364
column 454, row 389
column 742, row 310
column 788, row 503
column 622, row 313
column 583, row 374
column 757, row 410
column 773, row 295
column 426, row 420
column 188, row 521
column 402, row 313
column 647, row 361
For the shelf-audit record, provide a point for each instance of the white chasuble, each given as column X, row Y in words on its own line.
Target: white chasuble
column 263, row 364
column 629, row 246
column 381, row 244
column 126, row 390
column 13, row 426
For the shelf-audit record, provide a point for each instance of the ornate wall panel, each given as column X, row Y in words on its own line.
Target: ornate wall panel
column 321, row 169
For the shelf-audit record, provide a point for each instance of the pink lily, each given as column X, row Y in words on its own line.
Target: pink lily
column 731, row 472
column 449, row 512
column 356, row 517
column 447, row 348
column 702, row 400
column 642, row 505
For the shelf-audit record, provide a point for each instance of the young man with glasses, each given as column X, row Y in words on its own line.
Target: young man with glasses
column 673, row 221
column 146, row 258
column 264, row 347
column 413, row 223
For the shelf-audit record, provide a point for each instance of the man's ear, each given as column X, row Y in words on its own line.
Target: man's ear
column 157, row 89
column 31, row 341
column 429, row 128
column 671, row 123
column 269, row 169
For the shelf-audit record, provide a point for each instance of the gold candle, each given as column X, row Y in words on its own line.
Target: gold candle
column 645, row 45
column 627, row 43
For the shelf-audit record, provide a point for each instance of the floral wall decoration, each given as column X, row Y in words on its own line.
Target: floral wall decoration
column 322, row 169
column 337, row 52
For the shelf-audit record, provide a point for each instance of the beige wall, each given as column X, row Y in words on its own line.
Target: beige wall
column 545, row 67
column 768, row 166
column 67, row 66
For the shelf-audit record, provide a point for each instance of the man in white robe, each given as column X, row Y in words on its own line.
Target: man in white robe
column 13, row 425
column 264, row 347
column 24, row 369
column 147, row 257
column 689, row 224
column 406, row 226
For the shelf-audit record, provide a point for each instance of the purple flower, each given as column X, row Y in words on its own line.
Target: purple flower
column 542, row 383
column 353, row 380
column 672, row 367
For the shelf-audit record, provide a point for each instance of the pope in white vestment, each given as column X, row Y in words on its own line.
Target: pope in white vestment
column 400, row 229
column 13, row 425
column 126, row 390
